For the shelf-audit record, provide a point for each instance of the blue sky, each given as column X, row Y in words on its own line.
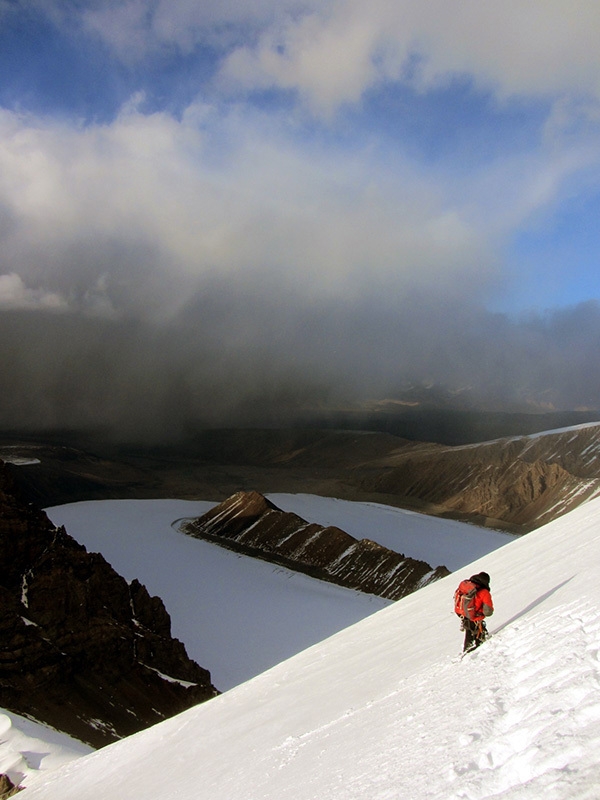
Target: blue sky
column 339, row 155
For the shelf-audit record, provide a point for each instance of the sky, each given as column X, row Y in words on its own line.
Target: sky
column 375, row 712
column 227, row 212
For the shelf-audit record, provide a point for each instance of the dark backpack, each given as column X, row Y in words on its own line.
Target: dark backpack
column 464, row 599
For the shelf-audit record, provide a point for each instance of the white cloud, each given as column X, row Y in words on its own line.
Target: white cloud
column 519, row 46
column 125, row 26
column 154, row 206
column 137, row 28
column 332, row 51
column 14, row 294
column 329, row 61
column 137, row 215
column 333, row 55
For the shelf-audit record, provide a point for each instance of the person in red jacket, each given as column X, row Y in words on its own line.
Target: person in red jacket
column 473, row 603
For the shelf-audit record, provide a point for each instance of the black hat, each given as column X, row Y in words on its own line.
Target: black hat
column 482, row 578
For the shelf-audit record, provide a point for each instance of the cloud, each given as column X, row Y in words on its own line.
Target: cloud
column 153, row 207
column 235, row 357
column 136, row 29
column 214, row 269
column 329, row 61
column 334, row 54
column 334, row 51
column 15, row 295
column 252, row 255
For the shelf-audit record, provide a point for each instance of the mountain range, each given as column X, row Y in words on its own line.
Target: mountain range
column 92, row 653
column 512, row 483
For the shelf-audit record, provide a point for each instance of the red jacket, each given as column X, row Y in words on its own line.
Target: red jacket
column 483, row 606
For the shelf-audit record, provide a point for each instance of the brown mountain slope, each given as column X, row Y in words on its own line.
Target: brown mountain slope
column 249, row 523
column 519, row 483
column 80, row 648
column 515, row 483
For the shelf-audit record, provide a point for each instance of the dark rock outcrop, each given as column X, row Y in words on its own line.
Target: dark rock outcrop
column 249, row 523
column 80, row 648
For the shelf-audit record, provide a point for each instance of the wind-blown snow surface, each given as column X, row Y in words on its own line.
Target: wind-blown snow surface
column 385, row 709
column 27, row 748
column 239, row 616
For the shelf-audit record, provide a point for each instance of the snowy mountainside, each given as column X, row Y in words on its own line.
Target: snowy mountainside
column 27, row 746
column 385, row 709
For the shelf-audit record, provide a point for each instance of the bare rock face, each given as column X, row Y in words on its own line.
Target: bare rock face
column 80, row 648
column 249, row 523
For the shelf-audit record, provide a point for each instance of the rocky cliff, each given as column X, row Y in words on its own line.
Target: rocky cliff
column 80, row 648
column 249, row 523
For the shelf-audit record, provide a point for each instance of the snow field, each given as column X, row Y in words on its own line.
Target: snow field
column 386, row 709
column 28, row 749
column 237, row 616
column 535, row 723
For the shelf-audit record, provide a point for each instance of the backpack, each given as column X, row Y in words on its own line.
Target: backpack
column 464, row 599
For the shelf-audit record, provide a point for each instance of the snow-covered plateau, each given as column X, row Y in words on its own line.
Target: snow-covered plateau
column 382, row 709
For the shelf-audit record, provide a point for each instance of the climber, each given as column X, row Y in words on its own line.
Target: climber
column 473, row 603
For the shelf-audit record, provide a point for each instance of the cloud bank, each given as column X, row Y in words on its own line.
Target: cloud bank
column 233, row 360
column 311, row 226
column 332, row 51
column 135, row 216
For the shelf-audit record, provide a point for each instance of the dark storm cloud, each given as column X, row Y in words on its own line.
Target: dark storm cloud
column 248, row 360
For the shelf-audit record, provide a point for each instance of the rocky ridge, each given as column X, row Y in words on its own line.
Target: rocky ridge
column 249, row 523
column 81, row 649
column 516, row 483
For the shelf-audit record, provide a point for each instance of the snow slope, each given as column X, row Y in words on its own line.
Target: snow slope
column 239, row 616
column 27, row 748
column 385, row 709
